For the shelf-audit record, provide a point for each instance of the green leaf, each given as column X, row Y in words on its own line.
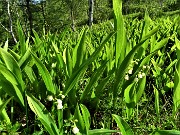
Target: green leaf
column 129, row 93
column 96, row 75
column 166, row 132
column 176, row 93
column 13, row 66
column 100, row 88
column 124, row 127
column 69, row 62
column 171, row 65
column 45, row 74
column 140, row 88
column 81, row 50
column 43, row 115
column 10, row 84
column 75, row 76
column 120, row 35
column 121, row 71
column 80, row 124
column 59, row 57
column 3, row 113
column 101, row 132
column 21, row 38
column 4, row 104
column 24, row 60
column 8, row 75
column 156, row 93
column 160, row 44
column 86, row 116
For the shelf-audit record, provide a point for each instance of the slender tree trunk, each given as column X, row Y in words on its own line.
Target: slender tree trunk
column 72, row 17
column 91, row 5
column 29, row 13
column 10, row 22
column 43, row 14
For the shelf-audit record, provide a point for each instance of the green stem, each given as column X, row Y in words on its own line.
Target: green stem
column 26, row 109
column 12, row 109
column 60, row 121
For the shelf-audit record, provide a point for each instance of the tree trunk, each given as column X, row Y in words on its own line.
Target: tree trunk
column 43, row 14
column 10, row 22
column 91, row 5
column 29, row 13
column 72, row 19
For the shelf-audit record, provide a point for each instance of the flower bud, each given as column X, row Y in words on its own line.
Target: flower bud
column 62, row 96
column 59, row 106
column 126, row 77
column 130, row 71
column 59, row 101
column 75, row 130
column 50, row 98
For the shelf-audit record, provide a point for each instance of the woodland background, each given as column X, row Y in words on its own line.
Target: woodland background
column 56, row 15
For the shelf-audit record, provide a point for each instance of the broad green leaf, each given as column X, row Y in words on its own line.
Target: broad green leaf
column 80, row 124
column 2, row 106
column 160, row 44
column 120, row 73
column 140, row 88
column 43, row 115
column 21, row 38
column 86, row 117
column 30, row 74
column 24, row 60
column 69, row 62
column 144, row 31
column 101, row 132
column 166, row 132
column 81, row 50
column 129, row 93
column 59, row 57
column 176, row 93
column 120, row 43
column 13, row 66
column 156, row 67
column 100, row 88
column 14, row 54
column 45, row 74
column 37, row 40
column 8, row 75
column 75, row 76
column 3, row 113
column 11, row 89
column 124, row 127
column 171, row 65
column 6, row 46
column 156, row 93
column 97, row 74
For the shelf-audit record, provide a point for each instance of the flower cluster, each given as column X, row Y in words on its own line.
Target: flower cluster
column 140, row 75
column 59, row 104
column 59, row 101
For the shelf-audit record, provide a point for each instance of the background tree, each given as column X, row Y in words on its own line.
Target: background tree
column 91, row 10
column 55, row 15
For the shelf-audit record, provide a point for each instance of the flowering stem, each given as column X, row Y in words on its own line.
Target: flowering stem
column 60, row 121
